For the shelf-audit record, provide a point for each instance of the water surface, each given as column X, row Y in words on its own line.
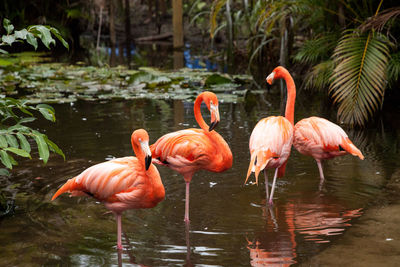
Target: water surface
column 230, row 223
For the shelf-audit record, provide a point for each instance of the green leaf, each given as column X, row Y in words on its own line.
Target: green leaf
column 8, row 26
column 217, row 79
column 5, row 159
column 359, row 78
column 27, row 119
column 43, row 33
column 47, row 112
column 54, row 147
column 8, row 39
column 18, row 152
column 21, row 34
column 24, row 144
column 12, row 141
column 3, row 141
column 4, row 172
column 31, row 39
column 59, row 37
column 42, row 146
column 215, row 8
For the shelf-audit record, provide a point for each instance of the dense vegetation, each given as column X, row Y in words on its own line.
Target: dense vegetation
column 347, row 48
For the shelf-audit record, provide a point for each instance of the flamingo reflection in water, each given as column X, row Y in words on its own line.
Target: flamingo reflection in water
column 305, row 219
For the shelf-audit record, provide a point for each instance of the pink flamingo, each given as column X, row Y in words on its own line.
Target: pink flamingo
column 320, row 138
column 190, row 150
column 122, row 183
column 272, row 137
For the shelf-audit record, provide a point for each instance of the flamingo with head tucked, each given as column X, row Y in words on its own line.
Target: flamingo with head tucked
column 320, row 138
column 272, row 137
column 187, row 151
column 122, row 183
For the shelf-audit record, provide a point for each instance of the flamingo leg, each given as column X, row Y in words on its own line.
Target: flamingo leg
column 321, row 172
column 266, row 184
column 187, row 202
column 187, row 230
column 273, row 187
column 119, row 231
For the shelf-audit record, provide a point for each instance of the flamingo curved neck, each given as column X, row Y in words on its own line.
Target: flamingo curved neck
column 291, row 96
column 138, row 152
column 197, row 114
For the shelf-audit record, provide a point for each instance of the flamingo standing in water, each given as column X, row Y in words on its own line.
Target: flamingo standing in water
column 122, row 183
column 272, row 137
column 320, row 138
column 190, row 150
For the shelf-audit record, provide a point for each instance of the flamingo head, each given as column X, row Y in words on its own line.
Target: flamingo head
column 211, row 101
column 277, row 73
column 141, row 139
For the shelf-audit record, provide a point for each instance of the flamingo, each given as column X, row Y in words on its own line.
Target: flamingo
column 187, row 151
column 121, row 183
column 320, row 138
column 272, row 138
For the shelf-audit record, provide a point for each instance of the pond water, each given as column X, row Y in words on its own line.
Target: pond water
column 230, row 223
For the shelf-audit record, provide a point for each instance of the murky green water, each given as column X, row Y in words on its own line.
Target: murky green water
column 230, row 224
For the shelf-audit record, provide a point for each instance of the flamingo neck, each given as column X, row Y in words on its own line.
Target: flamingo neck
column 197, row 114
column 291, row 96
column 138, row 152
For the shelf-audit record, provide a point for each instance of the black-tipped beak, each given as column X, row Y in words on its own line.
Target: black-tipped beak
column 147, row 162
column 213, row 125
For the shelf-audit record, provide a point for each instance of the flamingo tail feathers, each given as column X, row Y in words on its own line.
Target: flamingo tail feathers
column 351, row 148
column 69, row 186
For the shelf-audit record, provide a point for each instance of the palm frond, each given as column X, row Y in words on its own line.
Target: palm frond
column 315, row 50
column 393, row 69
column 379, row 21
column 359, row 77
column 320, row 75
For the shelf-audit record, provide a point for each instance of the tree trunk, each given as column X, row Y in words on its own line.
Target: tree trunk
column 177, row 23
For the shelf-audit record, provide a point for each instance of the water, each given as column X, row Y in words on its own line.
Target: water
column 230, row 223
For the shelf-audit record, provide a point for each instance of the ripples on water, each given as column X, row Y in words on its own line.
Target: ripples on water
column 231, row 225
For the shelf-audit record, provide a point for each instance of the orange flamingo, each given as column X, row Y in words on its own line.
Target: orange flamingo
column 320, row 138
column 190, row 150
column 122, row 183
column 272, row 137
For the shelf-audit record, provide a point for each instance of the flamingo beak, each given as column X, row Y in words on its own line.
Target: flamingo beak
column 270, row 78
column 146, row 149
column 214, row 117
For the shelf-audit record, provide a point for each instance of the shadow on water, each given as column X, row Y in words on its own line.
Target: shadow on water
column 230, row 224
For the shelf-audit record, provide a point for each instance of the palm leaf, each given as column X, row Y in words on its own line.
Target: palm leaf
column 359, row 77
column 315, row 50
column 393, row 70
column 320, row 75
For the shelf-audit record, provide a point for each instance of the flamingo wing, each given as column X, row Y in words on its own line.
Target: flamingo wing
column 270, row 144
column 322, row 139
column 106, row 181
column 186, row 147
